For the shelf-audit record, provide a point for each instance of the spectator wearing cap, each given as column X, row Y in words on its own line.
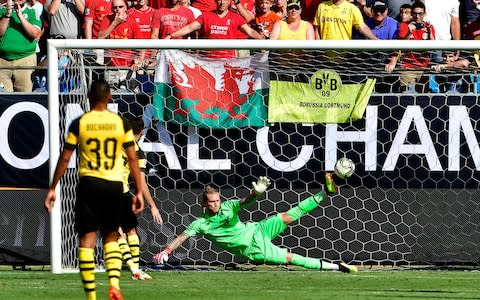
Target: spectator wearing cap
column 335, row 20
column 382, row 26
column 294, row 28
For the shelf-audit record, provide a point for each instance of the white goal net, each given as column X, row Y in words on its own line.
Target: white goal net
column 413, row 199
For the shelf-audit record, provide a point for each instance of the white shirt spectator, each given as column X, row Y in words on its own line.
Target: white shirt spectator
column 444, row 16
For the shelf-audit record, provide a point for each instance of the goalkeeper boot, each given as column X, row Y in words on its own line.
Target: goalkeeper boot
column 343, row 267
column 141, row 275
column 114, row 294
column 330, row 185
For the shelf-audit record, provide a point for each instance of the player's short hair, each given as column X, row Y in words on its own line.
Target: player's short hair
column 136, row 123
column 209, row 189
column 405, row 6
column 99, row 91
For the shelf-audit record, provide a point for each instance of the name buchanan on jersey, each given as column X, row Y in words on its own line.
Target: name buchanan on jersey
column 101, row 126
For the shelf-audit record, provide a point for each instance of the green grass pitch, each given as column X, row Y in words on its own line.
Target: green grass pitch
column 272, row 284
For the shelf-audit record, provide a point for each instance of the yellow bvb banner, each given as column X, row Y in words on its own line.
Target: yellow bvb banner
column 323, row 100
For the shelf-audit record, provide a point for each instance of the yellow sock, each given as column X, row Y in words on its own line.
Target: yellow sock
column 134, row 244
column 113, row 263
column 127, row 255
column 87, row 271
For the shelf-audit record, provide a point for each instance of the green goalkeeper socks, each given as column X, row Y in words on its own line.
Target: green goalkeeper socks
column 312, row 263
column 306, row 262
column 306, row 206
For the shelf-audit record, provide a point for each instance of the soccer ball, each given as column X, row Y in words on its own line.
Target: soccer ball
column 344, row 168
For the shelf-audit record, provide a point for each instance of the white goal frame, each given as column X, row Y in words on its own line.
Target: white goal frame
column 53, row 84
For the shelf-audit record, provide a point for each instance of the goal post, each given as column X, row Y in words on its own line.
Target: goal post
column 383, row 211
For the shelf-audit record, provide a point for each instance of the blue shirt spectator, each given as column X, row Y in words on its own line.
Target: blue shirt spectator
column 381, row 25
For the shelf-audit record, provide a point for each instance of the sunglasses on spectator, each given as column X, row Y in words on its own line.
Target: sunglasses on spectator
column 119, row 6
column 417, row 13
column 293, row 7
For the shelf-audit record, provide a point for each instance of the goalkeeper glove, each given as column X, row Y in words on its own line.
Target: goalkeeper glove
column 261, row 185
column 162, row 257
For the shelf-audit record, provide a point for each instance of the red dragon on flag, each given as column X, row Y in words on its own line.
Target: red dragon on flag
column 211, row 93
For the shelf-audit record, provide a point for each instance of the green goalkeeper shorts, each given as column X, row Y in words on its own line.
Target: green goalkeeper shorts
column 262, row 250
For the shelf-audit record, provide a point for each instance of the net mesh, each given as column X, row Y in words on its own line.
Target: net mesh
column 413, row 213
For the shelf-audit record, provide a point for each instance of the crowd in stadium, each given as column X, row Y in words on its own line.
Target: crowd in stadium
column 23, row 35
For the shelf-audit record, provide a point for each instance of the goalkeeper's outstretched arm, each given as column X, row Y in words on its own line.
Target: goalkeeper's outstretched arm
column 162, row 257
column 258, row 189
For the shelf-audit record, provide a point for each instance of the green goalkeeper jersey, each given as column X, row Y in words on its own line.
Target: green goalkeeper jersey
column 225, row 228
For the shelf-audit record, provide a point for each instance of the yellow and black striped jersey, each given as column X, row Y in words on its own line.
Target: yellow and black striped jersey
column 101, row 137
column 142, row 163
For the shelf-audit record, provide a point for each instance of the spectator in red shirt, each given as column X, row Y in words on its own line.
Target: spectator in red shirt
column 120, row 25
column 204, row 5
column 219, row 24
column 95, row 13
column 168, row 20
column 143, row 14
column 418, row 29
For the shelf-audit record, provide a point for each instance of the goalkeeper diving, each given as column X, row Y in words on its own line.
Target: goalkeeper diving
column 221, row 225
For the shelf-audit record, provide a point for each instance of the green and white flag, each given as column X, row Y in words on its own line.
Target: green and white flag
column 323, row 100
column 195, row 91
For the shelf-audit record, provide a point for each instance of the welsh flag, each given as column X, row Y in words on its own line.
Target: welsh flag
column 196, row 91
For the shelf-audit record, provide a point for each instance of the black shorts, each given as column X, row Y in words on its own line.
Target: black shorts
column 128, row 219
column 97, row 206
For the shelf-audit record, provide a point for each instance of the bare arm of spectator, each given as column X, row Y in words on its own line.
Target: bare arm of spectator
column 392, row 63
column 428, row 29
column 316, row 30
column 310, row 32
column 119, row 18
column 187, row 29
column 275, row 33
column 80, row 6
column 52, row 9
column 6, row 19
column 88, row 28
column 364, row 8
column 31, row 30
column 458, row 64
column 243, row 11
column 154, row 33
column 455, row 28
column 251, row 33
column 54, row 5
column 365, row 30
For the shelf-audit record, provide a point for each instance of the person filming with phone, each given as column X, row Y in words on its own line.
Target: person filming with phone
column 414, row 62
column 418, row 29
